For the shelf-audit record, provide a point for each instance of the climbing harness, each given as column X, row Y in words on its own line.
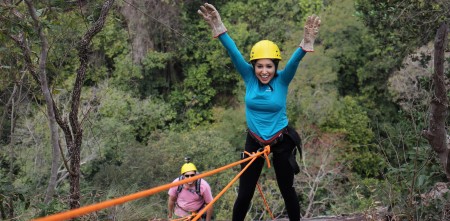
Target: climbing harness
column 278, row 138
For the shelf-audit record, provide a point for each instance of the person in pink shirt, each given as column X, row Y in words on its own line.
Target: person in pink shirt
column 190, row 197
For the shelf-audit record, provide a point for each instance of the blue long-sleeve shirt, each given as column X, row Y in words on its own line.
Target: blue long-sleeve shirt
column 265, row 106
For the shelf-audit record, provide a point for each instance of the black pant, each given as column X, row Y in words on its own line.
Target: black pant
column 284, row 173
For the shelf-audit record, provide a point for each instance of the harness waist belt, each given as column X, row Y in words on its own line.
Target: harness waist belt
column 272, row 141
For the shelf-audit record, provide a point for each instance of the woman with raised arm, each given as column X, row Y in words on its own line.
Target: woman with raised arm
column 265, row 109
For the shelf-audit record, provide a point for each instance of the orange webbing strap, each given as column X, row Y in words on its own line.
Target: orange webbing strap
column 253, row 156
column 265, row 202
column 113, row 202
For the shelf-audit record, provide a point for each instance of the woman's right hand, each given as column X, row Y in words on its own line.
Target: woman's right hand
column 212, row 17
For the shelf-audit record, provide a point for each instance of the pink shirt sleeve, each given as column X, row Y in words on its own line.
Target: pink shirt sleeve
column 173, row 190
column 205, row 190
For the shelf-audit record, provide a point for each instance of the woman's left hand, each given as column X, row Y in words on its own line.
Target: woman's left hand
column 311, row 30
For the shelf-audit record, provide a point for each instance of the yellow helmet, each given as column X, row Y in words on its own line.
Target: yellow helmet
column 265, row 49
column 188, row 167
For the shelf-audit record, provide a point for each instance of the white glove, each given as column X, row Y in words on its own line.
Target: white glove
column 212, row 17
column 311, row 30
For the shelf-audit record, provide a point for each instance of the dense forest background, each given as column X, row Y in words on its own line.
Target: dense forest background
column 109, row 109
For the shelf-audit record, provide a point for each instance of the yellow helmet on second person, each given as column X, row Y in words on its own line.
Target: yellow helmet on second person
column 188, row 167
column 265, row 49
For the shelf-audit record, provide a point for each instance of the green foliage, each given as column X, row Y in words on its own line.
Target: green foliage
column 143, row 116
column 111, row 58
column 398, row 27
column 362, row 66
column 146, row 79
column 202, row 55
column 423, row 172
column 409, row 157
column 313, row 88
column 434, row 209
column 311, row 7
column 124, row 122
column 350, row 119
column 223, row 210
column 53, row 207
column 153, row 66
column 112, row 40
column 231, row 124
column 193, row 100
column 12, row 199
column 35, row 162
column 366, row 194
column 347, row 41
column 266, row 22
column 64, row 32
column 415, row 22
column 401, row 138
column 125, row 73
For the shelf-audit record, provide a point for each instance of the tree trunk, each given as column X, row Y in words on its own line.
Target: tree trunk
column 54, row 133
column 73, row 133
column 77, row 131
column 437, row 133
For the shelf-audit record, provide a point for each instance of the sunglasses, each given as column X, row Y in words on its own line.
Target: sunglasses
column 189, row 175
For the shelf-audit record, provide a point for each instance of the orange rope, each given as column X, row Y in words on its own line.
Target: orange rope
column 259, row 187
column 265, row 202
column 266, row 154
column 266, row 151
column 105, row 204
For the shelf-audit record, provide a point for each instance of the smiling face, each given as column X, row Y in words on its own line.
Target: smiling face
column 264, row 70
column 189, row 174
